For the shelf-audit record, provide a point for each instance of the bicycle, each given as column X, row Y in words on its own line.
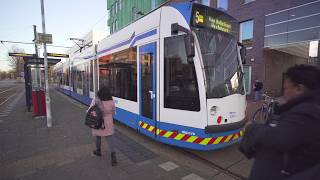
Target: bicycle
column 265, row 114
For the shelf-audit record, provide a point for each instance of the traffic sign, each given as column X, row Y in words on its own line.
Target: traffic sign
column 21, row 55
column 44, row 38
column 58, row 55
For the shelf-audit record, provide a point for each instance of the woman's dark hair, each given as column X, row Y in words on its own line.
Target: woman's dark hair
column 104, row 94
column 307, row 75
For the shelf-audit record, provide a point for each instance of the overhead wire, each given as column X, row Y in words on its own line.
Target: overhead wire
column 18, row 42
column 13, row 60
column 91, row 27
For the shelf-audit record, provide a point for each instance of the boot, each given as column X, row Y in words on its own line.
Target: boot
column 113, row 159
column 97, row 152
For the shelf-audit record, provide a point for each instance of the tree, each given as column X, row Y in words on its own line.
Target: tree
column 16, row 62
column 3, row 75
column 6, row 75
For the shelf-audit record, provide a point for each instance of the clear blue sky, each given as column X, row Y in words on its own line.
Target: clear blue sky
column 64, row 19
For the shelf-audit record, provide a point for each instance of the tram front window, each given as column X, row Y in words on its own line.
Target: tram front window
column 181, row 86
column 221, row 64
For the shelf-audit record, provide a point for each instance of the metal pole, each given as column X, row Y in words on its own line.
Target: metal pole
column 38, row 77
column 95, row 70
column 48, row 105
column 38, row 80
column 318, row 57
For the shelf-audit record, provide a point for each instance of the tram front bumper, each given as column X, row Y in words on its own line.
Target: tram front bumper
column 225, row 127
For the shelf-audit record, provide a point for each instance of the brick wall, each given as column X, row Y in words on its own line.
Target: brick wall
column 261, row 66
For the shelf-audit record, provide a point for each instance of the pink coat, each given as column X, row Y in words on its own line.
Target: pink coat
column 108, row 109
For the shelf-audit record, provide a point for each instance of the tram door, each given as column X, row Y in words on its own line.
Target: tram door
column 147, row 94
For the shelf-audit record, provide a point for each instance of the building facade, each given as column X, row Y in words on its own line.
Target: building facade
column 277, row 35
column 124, row 12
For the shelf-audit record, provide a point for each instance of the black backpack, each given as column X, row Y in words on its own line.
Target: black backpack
column 94, row 118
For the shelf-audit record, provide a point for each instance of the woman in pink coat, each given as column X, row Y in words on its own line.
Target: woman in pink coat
column 106, row 104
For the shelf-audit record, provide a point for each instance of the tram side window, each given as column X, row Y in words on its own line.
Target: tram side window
column 118, row 71
column 181, row 86
column 73, row 79
column 66, row 76
column 79, row 77
column 91, row 76
column 85, row 80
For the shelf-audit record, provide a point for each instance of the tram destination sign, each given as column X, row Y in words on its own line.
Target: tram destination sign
column 213, row 19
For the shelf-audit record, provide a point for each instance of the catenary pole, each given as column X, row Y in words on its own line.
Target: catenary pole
column 48, row 105
column 37, row 55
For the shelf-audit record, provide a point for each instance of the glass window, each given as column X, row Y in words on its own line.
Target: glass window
column 74, row 79
column 221, row 64
column 247, row 78
column 80, row 73
column 116, row 25
column 246, row 33
column 65, row 75
column 305, row 35
column 306, row 10
column 118, row 6
column 86, row 80
column 134, row 13
column 275, row 18
column 205, row 2
column 309, row 22
column 181, row 86
column 153, row 4
column 276, row 29
column 222, row 4
column 91, row 75
column 118, row 71
column 275, row 40
column 115, row 7
column 247, row 1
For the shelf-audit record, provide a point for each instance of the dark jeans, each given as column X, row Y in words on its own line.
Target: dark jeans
column 257, row 95
column 109, row 141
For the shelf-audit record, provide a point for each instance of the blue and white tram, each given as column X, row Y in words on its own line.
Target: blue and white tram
column 77, row 76
column 176, row 76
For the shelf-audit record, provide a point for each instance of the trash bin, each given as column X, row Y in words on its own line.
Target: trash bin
column 39, row 102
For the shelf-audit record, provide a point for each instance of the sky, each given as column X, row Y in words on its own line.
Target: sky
column 64, row 19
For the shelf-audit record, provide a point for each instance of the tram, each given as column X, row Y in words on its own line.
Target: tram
column 175, row 75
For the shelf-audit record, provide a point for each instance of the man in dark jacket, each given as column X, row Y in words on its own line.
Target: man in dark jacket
column 293, row 145
column 309, row 174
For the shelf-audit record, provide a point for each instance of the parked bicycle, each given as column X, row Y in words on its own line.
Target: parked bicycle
column 265, row 114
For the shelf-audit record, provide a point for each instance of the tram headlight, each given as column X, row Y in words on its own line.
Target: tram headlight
column 213, row 110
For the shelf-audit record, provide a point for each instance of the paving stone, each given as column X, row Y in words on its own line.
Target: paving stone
column 168, row 166
column 134, row 151
column 242, row 168
column 222, row 176
column 180, row 172
column 25, row 174
column 192, row 177
column 34, row 152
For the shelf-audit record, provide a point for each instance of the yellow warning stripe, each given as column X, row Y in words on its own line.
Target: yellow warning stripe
column 192, row 139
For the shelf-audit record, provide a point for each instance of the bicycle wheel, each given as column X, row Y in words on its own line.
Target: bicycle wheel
column 257, row 116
